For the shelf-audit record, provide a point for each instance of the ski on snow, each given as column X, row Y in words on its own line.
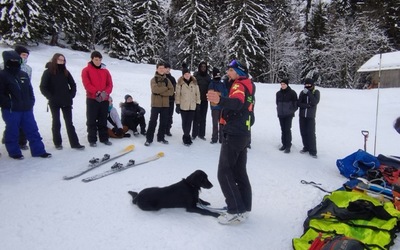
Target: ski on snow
column 119, row 167
column 96, row 162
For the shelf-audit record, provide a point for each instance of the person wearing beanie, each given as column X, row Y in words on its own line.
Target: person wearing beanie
column 171, row 99
column 219, row 86
column 161, row 90
column 216, row 74
column 187, row 98
column 17, row 101
column 59, row 87
column 237, row 109
column 24, row 54
column 133, row 115
column 286, row 106
column 98, row 85
column 200, row 119
column 185, row 70
column 308, row 100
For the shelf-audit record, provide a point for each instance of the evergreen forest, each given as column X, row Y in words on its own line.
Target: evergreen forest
column 276, row 39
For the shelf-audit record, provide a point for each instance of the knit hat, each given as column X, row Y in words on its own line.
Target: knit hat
column 285, row 81
column 127, row 96
column 309, row 81
column 21, row 49
column 238, row 67
column 185, row 70
column 216, row 73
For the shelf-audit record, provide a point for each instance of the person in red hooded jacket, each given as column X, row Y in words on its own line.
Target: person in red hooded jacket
column 98, row 84
column 237, row 109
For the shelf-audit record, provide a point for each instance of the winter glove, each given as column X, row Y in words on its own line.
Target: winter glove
column 197, row 107
column 114, row 130
column 178, row 108
column 305, row 91
column 101, row 96
column 119, row 132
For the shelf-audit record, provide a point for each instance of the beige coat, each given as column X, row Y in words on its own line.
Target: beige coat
column 161, row 90
column 187, row 96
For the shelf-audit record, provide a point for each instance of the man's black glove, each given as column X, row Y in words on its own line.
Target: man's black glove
column 114, row 130
column 178, row 108
column 197, row 107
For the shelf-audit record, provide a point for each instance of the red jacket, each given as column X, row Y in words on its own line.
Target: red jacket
column 96, row 79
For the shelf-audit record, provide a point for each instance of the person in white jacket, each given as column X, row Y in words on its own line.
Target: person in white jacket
column 114, row 125
column 187, row 99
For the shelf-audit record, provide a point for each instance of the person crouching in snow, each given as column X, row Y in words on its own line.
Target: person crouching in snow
column 133, row 115
column 17, row 101
column 114, row 125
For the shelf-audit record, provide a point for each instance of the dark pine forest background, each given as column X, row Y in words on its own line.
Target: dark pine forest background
column 327, row 40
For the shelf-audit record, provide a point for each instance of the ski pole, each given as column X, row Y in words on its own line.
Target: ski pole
column 365, row 133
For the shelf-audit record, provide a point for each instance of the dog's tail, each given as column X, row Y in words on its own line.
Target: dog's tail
column 134, row 196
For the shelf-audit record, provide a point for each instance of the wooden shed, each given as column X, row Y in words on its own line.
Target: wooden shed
column 388, row 65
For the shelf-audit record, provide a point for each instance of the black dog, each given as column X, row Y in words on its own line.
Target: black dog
column 183, row 194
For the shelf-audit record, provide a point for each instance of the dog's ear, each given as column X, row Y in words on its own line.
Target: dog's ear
column 199, row 179
column 196, row 178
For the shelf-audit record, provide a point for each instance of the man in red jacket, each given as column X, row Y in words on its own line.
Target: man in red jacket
column 98, row 84
column 237, row 110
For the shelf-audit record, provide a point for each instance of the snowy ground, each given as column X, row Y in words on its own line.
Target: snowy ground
column 40, row 211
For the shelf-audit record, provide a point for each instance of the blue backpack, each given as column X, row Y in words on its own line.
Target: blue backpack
column 357, row 164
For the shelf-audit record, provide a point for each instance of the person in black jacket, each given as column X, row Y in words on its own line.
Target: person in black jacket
column 171, row 99
column 286, row 106
column 133, row 115
column 203, row 81
column 16, row 102
column 308, row 101
column 59, row 87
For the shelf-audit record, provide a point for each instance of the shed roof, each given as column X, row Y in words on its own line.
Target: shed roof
column 390, row 61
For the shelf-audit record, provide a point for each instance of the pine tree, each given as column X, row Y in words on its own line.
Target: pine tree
column 193, row 32
column 348, row 46
column 117, row 35
column 77, row 26
column 150, row 34
column 19, row 21
column 246, row 25
column 70, row 20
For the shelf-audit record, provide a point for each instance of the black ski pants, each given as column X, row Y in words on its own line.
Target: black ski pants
column 187, row 121
column 286, row 131
column 199, row 123
column 56, row 125
column 170, row 120
column 217, row 127
column 96, row 120
column 232, row 173
column 307, row 131
column 154, row 113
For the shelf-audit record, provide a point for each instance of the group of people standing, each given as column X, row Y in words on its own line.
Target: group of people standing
column 287, row 103
column 231, row 101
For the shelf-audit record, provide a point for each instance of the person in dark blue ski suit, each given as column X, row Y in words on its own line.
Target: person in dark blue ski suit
column 16, row 102
column 218, row 86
